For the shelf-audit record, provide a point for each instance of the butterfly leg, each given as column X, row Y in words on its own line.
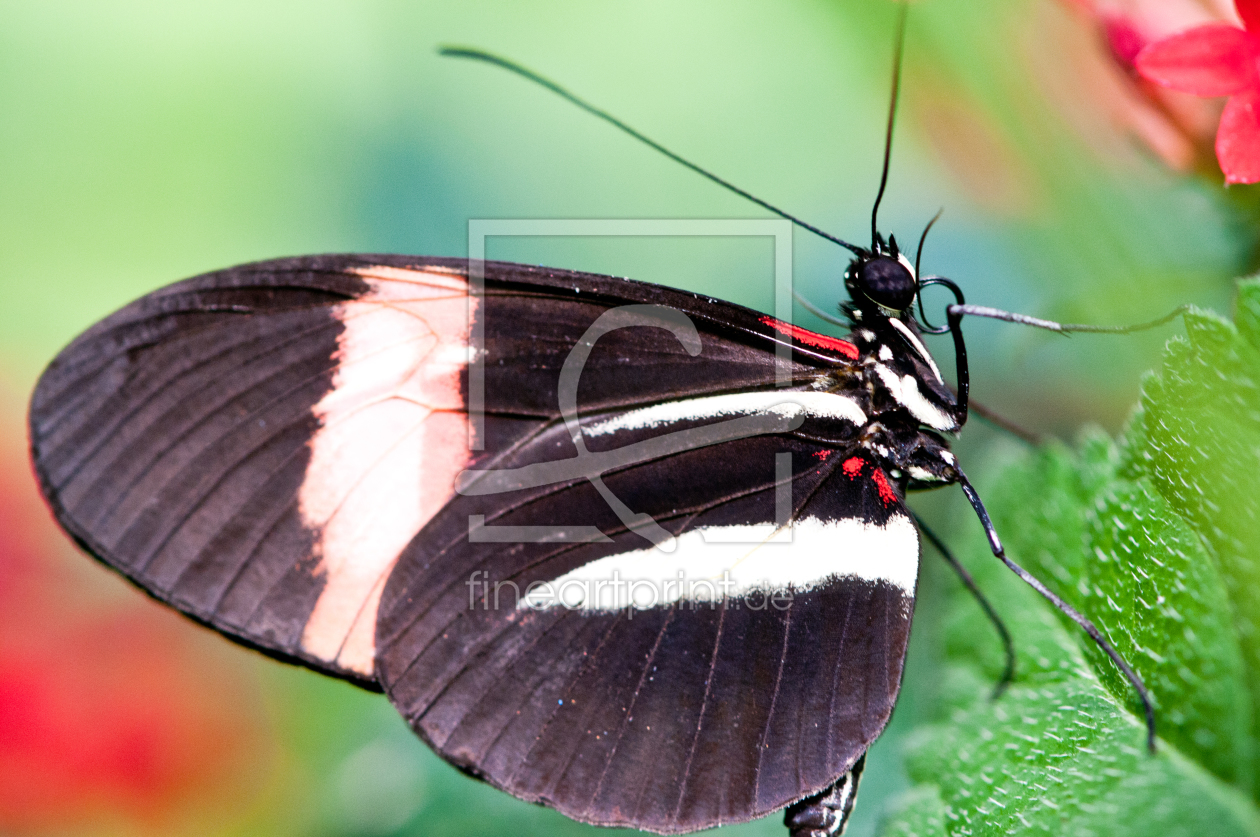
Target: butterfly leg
column 825, row 814
column 1008, row 646
column 995, row 544
column 1002, row 423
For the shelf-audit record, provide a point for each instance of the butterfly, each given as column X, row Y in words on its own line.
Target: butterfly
column 630, row 552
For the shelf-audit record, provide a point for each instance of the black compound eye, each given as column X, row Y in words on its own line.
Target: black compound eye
column 887, row 282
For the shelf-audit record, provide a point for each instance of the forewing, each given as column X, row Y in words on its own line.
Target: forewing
column 746, row 669
column 256, row 446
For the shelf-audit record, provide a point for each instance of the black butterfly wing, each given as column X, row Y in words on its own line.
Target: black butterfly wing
column 657, row 705
column 256, row 446
column 274, row 450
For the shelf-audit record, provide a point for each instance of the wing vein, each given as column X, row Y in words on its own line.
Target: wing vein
column 625, row 721
column 704, row 706
column 774, row 698
column 567, row 692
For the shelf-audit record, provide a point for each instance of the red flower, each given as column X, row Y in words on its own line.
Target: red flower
column 1218, row 60
column 115, row 716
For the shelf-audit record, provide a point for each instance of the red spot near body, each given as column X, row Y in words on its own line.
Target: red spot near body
column 852, row 466
column 810, row 338
column 823, row 454
column 886, row 492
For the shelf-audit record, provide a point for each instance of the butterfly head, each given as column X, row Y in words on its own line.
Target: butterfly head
column 882, row 280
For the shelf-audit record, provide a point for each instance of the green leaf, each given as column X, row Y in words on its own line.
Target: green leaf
column 1156, row 538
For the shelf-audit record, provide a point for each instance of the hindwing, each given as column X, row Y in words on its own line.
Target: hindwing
column 324, row 457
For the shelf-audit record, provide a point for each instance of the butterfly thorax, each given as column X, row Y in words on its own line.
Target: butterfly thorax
column 900, row 374
column 894, row 377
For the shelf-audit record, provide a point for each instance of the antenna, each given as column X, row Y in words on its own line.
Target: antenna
column 480, row 55
column 892, row 117
column 918, row 254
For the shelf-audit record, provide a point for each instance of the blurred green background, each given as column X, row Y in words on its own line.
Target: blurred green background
column 143, row 142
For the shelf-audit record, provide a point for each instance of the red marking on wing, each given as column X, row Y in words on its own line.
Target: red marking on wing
column 852, row 466
column 886, row 492
column 811, row 338
column 823, row 454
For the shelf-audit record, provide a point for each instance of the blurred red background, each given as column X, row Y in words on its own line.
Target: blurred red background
column 111, row 707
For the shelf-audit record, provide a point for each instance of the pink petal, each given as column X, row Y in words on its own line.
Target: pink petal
column 1238, row 138
column 1212, row 60
column 1124, row 39
column 1249, row 11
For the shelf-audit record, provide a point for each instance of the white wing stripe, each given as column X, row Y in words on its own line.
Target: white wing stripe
column 740, row 561
column 817, row 404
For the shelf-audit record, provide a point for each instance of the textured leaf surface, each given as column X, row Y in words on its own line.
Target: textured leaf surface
column 1156, row 538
